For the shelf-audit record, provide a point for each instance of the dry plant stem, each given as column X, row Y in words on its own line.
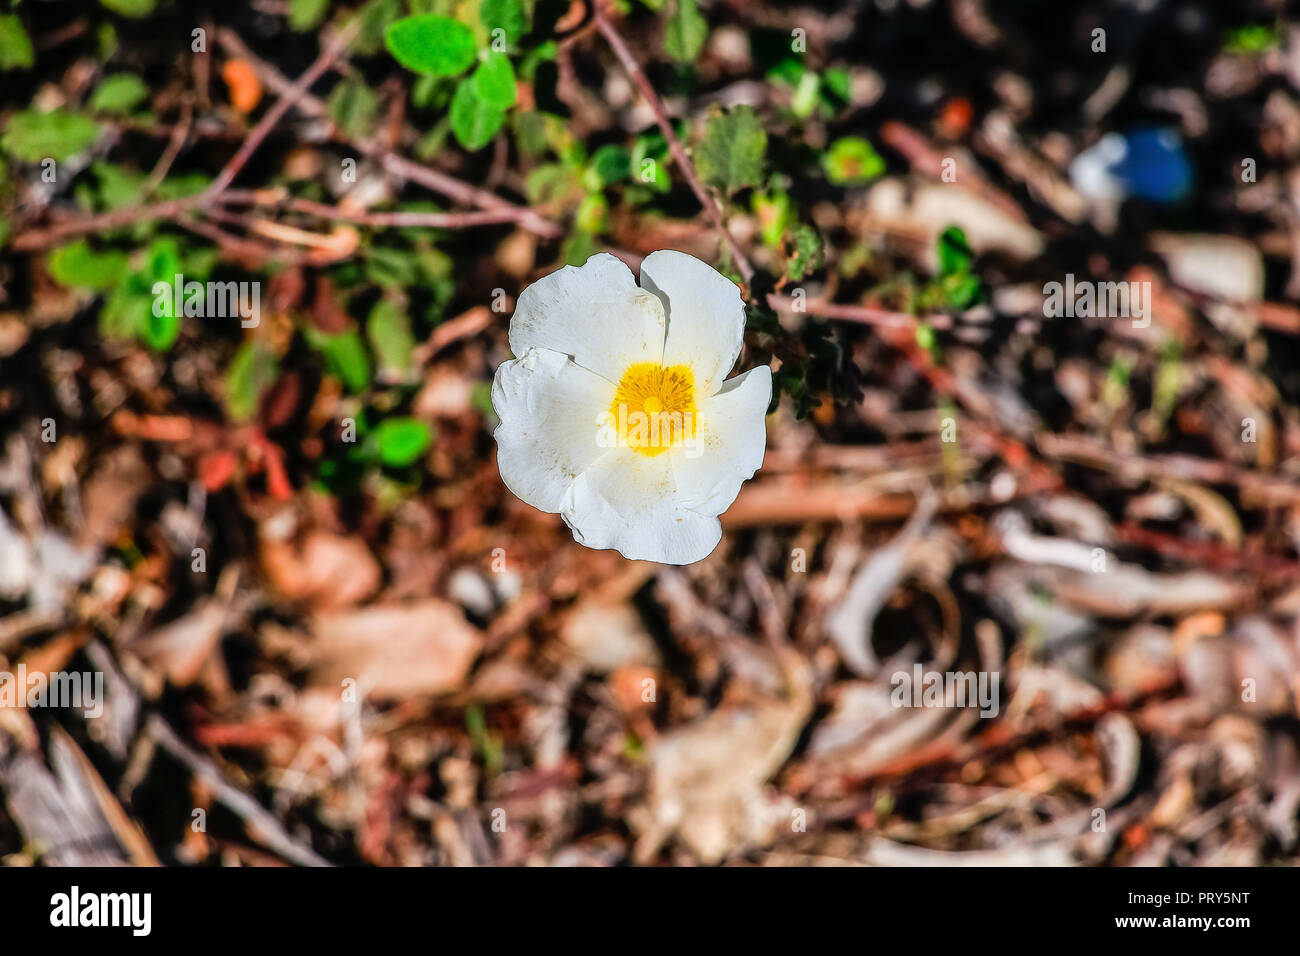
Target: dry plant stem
column 176, row 209
column 180, row 133
column 432, row 179
column 675, row 147
column 287, row 99
column 1262, row 490
column 493, row 208
column 265, row 827
column 104, row 222
column 927, row 161
column 862, row 314
column 453, row 188
column 240, row 247
column 434, row 220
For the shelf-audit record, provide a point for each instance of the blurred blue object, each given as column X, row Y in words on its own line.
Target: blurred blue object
column 1145, row 163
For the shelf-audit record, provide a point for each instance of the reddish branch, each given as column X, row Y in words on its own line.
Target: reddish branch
column 287, row 99
column 32, row 239
column 433, row 220
column 862, row 314
column 432, row 179
column 491, row 209
column 175, row 142
column 675, row 147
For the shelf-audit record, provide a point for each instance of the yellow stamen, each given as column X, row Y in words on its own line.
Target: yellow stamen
column 654, row 407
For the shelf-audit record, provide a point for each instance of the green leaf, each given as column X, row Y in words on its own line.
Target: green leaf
column 686, row 33
column 79, row 266
column 124, row 310
column 807, row 254
column 548, row 183
column 163, row 263
column 961, row 290
column 131, row 8
column 839, row 83
column 345, row 357
column 480, row 399
column 387, row 267
column 473, row 121
column 774, row 214
column 306, row 14
column 118, row 186
column 852, row 161
column 179, row 187
column 954, row 252
column 652, row 173
column 118, row 93
column 804, row 101
column 353, row 107
column 494, row 82
column 647, row 162
column 731, row 156
column 106, row 39
column 15, row 45
column 402, row 441
column 578, row 248
column 925, row 337
column 438, row 46
column 198, row 262
column 592, row 214
column 161, row 324
column 32, row 136
column 610, row 164
column 505, row 15
column 389, row 330
column 373, row 20
column 251, row 372
column 788, row 71
column 1252, row 38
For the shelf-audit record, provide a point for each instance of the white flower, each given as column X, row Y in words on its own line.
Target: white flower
column 616, row 415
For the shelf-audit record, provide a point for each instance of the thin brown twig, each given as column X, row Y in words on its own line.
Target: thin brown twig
column 104, row 222
column 62, row 35
column 175, row 210
column 454, row 188
column 434, row 220
column 1259, row 489
column 862, row 314
column 928, row 162
column 238, row 245
column 395, row 165
column 158, row 130
column 264, row 825
column 675, row 147
column 286, row 101
column 180, row 133
column 492, row 209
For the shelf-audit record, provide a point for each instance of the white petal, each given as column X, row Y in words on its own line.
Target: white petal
column 549, row 409
column 706, row 316
column 594, row 313
column 627, row 501
column 730, row 444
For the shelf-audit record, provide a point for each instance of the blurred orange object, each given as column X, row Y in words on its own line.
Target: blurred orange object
column 954, row 120
column 245, row 87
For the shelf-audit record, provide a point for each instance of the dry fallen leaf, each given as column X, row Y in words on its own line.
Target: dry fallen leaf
column 328, row 570
column 396, row 650
column 608, row 635
column 707, row 779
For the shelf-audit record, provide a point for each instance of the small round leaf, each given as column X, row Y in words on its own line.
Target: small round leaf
column 438, row 46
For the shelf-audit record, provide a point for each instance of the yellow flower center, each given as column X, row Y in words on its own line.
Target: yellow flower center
column 654, row 407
